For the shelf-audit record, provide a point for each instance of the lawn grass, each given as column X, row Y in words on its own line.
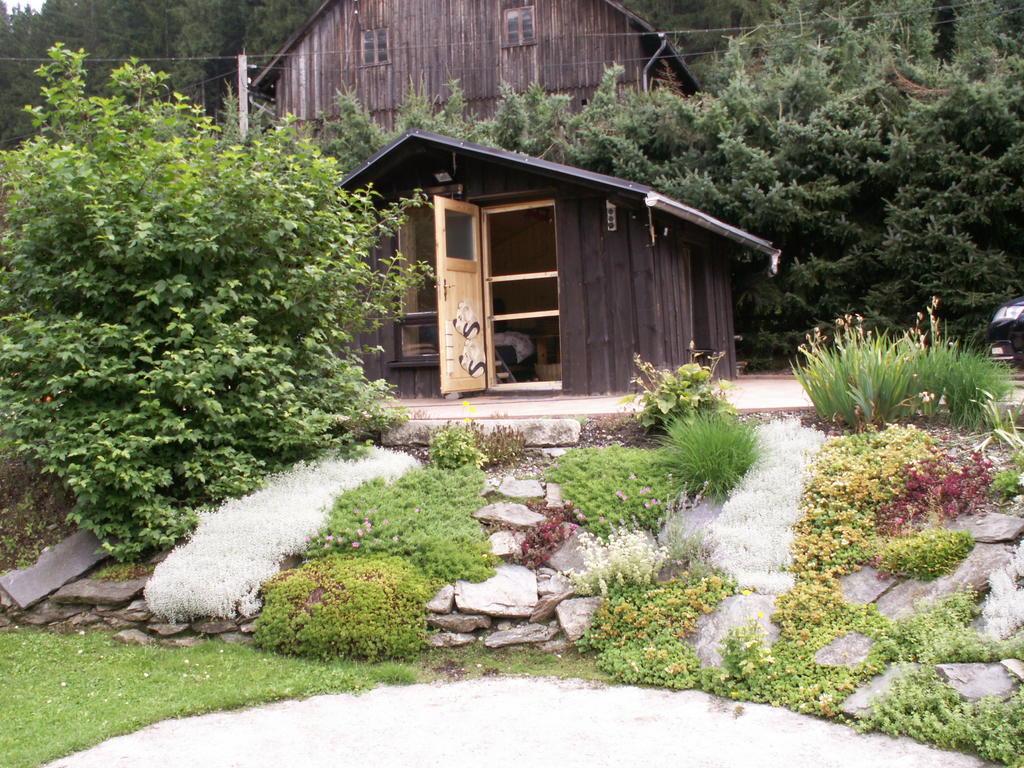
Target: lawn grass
column 66, row 693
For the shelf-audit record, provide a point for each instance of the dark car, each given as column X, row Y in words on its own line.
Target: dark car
column 1006, row 332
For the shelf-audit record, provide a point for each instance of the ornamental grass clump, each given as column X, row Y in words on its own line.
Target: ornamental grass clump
column 709, row 454
column 237, row 547
column 626, row 558
column 346, row 607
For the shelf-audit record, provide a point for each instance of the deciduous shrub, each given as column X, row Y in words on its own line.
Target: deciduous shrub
column 709, row 454
column 455, row 446
column 927, row 554
column 677, row 395
column 614, row 486
column 177, row 314
column 424, row 516
column 357, row 608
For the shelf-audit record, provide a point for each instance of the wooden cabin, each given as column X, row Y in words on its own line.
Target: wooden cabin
column 378, row 49
column 547, row 276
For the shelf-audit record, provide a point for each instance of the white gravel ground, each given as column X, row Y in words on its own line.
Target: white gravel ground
column 511, row 722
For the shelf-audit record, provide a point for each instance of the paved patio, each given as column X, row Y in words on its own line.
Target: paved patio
column 748, row 394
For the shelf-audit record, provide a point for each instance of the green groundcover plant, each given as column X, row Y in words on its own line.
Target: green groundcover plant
column 176, row 312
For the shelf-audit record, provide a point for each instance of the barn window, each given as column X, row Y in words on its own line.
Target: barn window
column 375, row 47
column 519, row 26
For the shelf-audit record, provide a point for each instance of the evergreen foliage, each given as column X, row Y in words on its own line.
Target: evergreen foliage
column 176, row 313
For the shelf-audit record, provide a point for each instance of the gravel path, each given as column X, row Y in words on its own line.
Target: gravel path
column 511, row 722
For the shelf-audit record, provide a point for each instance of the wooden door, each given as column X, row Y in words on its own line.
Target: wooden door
column 460, row 315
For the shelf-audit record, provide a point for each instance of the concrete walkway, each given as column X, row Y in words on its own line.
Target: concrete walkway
column 748, row 393
column 511, row 722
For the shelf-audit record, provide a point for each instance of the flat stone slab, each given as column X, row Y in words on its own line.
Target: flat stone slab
column 553, row 496
column 978, row 681
column 973, row 573
column 1015, row 667
column 847, row 651
column 576, row 615
column 509, row 513
column 55, row 567
column 524, row 635
column 49, row 612
column 450, row 639
column 990, row 528
column 547, row 604
column 213, row 626
column 553, row 585
column 692, row 519
column 443, row 601
column 521, row 489
column 861, row 700
column 733, row 612
column 510, row 593
column 866, row 585
column 134, row 637
column 459, row 622
column 507, row 543
column 538, row 433
column 568, row 556
column 96, row 592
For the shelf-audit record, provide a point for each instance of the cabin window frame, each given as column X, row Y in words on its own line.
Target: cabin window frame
column 375, row 42
column 519, row 13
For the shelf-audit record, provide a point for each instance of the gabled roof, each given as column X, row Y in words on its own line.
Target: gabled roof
column 412, row 143
column 670, row 55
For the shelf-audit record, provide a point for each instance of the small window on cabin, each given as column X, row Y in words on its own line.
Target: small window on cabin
column 416, row 330
column 375, row 47
column 519, row 26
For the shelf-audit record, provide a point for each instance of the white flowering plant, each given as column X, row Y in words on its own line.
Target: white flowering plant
column 1002, row 613
column 237, row 547
column 751, row 538
column 627, row 557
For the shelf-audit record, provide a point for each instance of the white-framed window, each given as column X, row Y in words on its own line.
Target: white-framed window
column 519, row 27
column 375, row 47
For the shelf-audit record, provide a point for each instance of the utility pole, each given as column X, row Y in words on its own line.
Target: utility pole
column 243, row 95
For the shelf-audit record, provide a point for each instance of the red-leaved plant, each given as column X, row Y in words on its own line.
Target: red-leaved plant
column 543, row 539
column 937, row 489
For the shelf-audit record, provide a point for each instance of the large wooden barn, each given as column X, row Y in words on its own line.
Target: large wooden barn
column 547, row 276
column 378, row 49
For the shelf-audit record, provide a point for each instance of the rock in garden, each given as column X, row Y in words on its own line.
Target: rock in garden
column 990, row 528
column 547, row 604
column 137, row 610
column 847, row 651
column 167, row 630
column 507, row 543
column 183, row 642
column 521, row 489
column 973, row 573
column 115, row 623
column 733, row 612
column 213, row 626
column 55, row 567
column 528, row 633
column 1015, row 667
column 235, row 638
column 860, row 701
column 865, row 586
column 459, row 622
column 443, row 601
column 558, row 645
column 979, row 681
column 536, row 432
column 510, row 593
column 576, row 615
column 134, row 637
column 553, row 496
column 510, row 514
column 692, row 519
column 568, row 556
column 553, row 585
column 49, row 612
column 449, row 639
column 97, row 592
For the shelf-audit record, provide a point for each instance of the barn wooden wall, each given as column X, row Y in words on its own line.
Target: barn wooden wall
column 619, row 294
column 434, row 41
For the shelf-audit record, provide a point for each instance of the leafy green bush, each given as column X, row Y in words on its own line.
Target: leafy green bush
column 1007, row 484
column 710, row 453
column 676, row 395
column 177, row 315
column 613, row 487
column 348, row 607
column 424, row 516
column 455, row 446
column 926, row 555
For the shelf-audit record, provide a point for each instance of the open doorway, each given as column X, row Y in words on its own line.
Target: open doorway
column 521, row 296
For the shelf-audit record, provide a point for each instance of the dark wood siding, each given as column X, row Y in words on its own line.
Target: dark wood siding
column 434, row 41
